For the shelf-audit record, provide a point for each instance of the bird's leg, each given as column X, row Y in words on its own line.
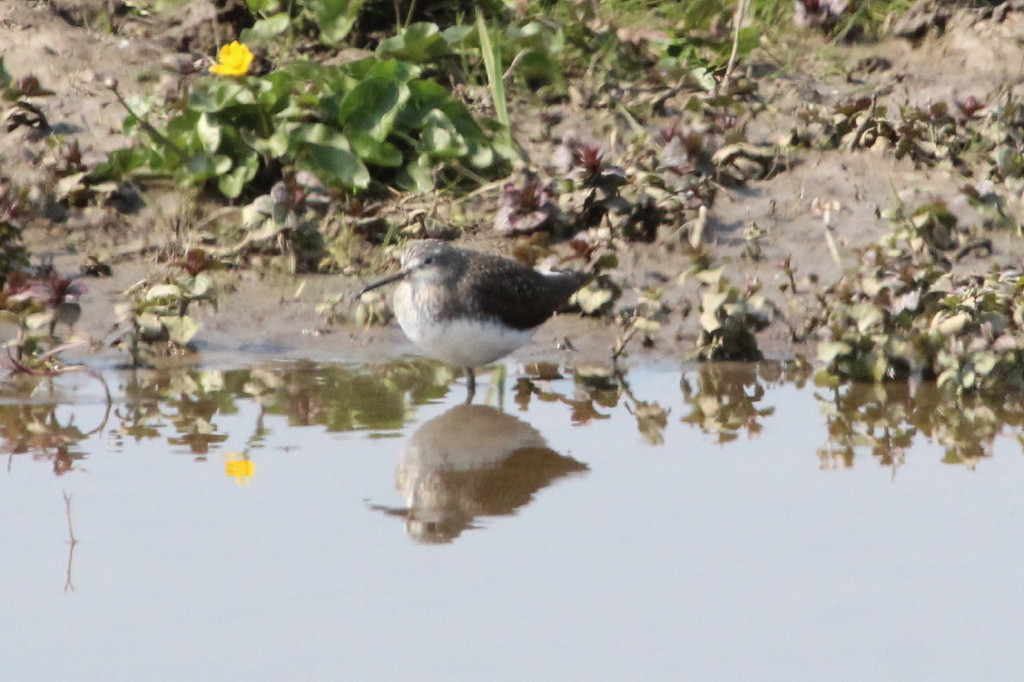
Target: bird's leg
column 470, row 385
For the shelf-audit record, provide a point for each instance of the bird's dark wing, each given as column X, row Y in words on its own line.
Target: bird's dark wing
column 519, row 297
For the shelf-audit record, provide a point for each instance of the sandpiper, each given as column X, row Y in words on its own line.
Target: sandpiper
column 468, row 308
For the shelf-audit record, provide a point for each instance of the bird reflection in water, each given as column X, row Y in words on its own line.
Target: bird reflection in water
column 472, row 461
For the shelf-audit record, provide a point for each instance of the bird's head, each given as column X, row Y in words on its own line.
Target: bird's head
column 430, row 261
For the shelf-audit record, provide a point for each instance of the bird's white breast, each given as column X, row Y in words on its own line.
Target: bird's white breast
column 460, row 341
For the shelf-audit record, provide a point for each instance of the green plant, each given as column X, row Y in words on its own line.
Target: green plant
column 36, row 302
column 373, row 120
column 289, row 219
column 15, row 208
column 331, row 20
column 903, row 311
column 154, row 320
column 496, row 84
column 729, row 316
column 644, row 319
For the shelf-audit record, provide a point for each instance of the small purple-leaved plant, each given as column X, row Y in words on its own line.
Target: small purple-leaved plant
column 584, row 163
column 817, row 12
column 528, row 208
column 682, row 150
column 969, row 106
column 50, row 290
column 296, row 191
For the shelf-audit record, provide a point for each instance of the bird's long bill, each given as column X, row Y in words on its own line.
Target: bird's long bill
column 387, row 280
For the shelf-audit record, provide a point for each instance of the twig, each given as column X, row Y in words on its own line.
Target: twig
column 620, row 345
column 496, row 184
column 979, row 245
column 865, row 124
column 741, row 9
column 832, row 248
column 215, row 216
column 513, row 64
column 72, row 541
column 137, row 248
column 146, row 125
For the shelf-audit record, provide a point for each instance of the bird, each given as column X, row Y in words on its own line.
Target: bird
column 468, row 308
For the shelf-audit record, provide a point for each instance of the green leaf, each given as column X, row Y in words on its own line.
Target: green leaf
column 276, row 145
column 209, row 133
column 709, row 320
column 39, row 320
column 984, row 363
column 705, row 78
column 200, row 286
column 372, row 106
column 232, row 183
column 149, row 326
column 952, row 325
column 164, row 292
column 334, row 166
column 417, row 176
column 376, row 153
column 828, row 351
column 867, row 316
column 336, row 18
column 181, row 329
column 419, row 42
column 748, row 39
column 391, row 69
column 120, row 163
column 709, row 276
column 424, row 97
column 713, row 300
column 318, row 133
column 457, row 33
column 258, row 212
column 492, row 66
column 198, row 168
column 213, row 94
column 266, row 29
column 538, row 68
column 440, row 139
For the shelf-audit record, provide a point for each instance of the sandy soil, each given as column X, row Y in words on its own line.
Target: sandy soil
column 66, row 47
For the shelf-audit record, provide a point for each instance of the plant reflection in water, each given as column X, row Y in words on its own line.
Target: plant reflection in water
column 471, row 461
column 33, row 421
column 728, row 400
column 337, row 397
column 725, row 400
column 885, row 418
column 723, row 397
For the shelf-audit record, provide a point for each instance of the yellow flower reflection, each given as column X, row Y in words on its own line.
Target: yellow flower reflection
column 233, row 59
column 239, row 467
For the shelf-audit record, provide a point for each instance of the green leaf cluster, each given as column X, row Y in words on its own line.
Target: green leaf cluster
column 373, row 120
column 729, row 317
column 154, row 316
column 904, row 312
column 333, row 20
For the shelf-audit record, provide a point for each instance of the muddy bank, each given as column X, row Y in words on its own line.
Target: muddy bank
column 814, row 210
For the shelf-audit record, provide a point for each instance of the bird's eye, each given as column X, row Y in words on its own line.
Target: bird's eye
column 428, row 260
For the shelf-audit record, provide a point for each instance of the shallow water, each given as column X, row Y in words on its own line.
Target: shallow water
column 331, row 522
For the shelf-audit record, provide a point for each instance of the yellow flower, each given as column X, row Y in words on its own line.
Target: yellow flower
column 233, row 59
column 239, row 467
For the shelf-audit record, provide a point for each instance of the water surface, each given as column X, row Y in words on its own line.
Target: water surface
column 334, row 522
